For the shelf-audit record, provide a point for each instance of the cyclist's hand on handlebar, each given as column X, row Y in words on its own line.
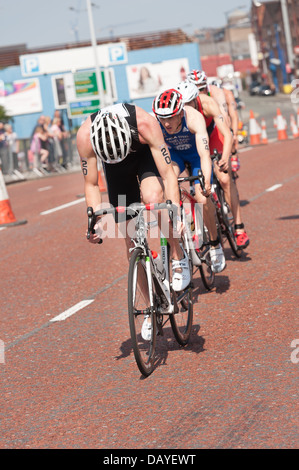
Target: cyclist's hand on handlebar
column 223, row 165
column 179, row 226
column 95, row 235
column 207, row 190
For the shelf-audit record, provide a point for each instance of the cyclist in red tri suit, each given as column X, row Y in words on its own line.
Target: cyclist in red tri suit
column 205, row 103
column 228, row 107
column 136, row 161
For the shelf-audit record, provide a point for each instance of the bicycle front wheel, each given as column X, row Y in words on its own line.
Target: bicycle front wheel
column 142, row 314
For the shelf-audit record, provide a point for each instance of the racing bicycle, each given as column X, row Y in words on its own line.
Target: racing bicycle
column 196, row 234
column 151, row 297
column 225, row 219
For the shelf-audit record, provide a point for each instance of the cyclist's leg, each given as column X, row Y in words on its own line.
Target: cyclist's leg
column 232, row 198
column 182, row 273
column 230, row 191
column 209, row 216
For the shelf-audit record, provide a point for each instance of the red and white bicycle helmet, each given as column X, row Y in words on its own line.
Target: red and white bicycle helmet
column 168, row 104
column 110, row 137
column 199, row 78
column 188, row 90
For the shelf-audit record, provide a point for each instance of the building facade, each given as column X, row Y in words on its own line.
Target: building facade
column 132, row 69
column 276, row 27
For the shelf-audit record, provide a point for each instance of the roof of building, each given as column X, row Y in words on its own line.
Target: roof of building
column 9, row 55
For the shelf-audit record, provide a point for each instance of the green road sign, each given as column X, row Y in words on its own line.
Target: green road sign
column 83, row 107
column 85, row 84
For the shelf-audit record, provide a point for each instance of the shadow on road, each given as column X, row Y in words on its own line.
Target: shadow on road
column 221, row 285
column 288, row 217
column 166, row 344
column 229, row 256
column 244, row 202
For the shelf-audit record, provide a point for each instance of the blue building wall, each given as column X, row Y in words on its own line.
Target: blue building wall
column 24, row 124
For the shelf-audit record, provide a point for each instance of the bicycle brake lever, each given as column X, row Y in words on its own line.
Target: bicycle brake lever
column 91, row 222
column 202, row 181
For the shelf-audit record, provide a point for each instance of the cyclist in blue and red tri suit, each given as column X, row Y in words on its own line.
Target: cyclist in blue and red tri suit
column 186, row 135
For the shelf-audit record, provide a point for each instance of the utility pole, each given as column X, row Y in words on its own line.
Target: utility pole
column 287, row 32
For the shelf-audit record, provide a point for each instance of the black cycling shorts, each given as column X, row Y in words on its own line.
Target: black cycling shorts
column 123, row 178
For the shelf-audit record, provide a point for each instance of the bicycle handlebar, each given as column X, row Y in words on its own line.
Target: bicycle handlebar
column 133, row 210
column 192, row 178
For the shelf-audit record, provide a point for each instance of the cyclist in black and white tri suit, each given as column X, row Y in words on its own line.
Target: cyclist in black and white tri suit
column 137, row 165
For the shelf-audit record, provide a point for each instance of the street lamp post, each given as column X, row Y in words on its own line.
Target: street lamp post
column 94, row 46
column 89, row 6
column 260, row 37
column 229, row 27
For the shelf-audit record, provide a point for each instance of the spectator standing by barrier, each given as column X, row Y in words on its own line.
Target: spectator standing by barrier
column 57, row 138
column 3, row 149
column 64, row 139
column 13, row 147
column 39, row 148
column 47, row 126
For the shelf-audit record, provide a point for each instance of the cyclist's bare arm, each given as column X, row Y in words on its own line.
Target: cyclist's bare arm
column 150, row 133
column 218, row 95
column 89, row 169
column 197, row 125
column 233, row 113
column 211, row 108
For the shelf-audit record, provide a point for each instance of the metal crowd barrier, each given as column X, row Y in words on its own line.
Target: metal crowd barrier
column 24, row 163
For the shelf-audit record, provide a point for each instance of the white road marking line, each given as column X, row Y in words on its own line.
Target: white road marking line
column 45, row 188
column 273, row 188
column 64, row 206
column 75, row 308
column 3, row 228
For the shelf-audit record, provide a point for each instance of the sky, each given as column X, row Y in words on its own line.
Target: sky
column 40, row 23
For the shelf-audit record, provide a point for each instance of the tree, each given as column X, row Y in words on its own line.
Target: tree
column 4, row 117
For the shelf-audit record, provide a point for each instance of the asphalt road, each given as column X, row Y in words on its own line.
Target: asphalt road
column 71, row 382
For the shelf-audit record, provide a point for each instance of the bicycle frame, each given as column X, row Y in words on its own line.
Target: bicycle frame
column 140, row 241
column 188, row 235
column 151, row 269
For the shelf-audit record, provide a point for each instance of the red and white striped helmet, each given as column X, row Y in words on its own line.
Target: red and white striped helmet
column 168, row 104
column 199, row 78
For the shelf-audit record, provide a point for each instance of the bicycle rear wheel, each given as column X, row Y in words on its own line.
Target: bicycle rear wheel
column 228, row 220
column 205, row 269
column 202, row 250
column 140, row 309
column 181, row 322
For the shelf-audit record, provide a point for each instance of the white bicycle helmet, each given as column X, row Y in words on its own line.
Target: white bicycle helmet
column 215, row 81
column 199, row 78
column 168, row 104
column 188, row 90
column 110, row 137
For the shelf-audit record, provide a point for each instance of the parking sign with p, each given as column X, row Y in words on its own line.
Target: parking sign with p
column 117, row 54
column 30, row 65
